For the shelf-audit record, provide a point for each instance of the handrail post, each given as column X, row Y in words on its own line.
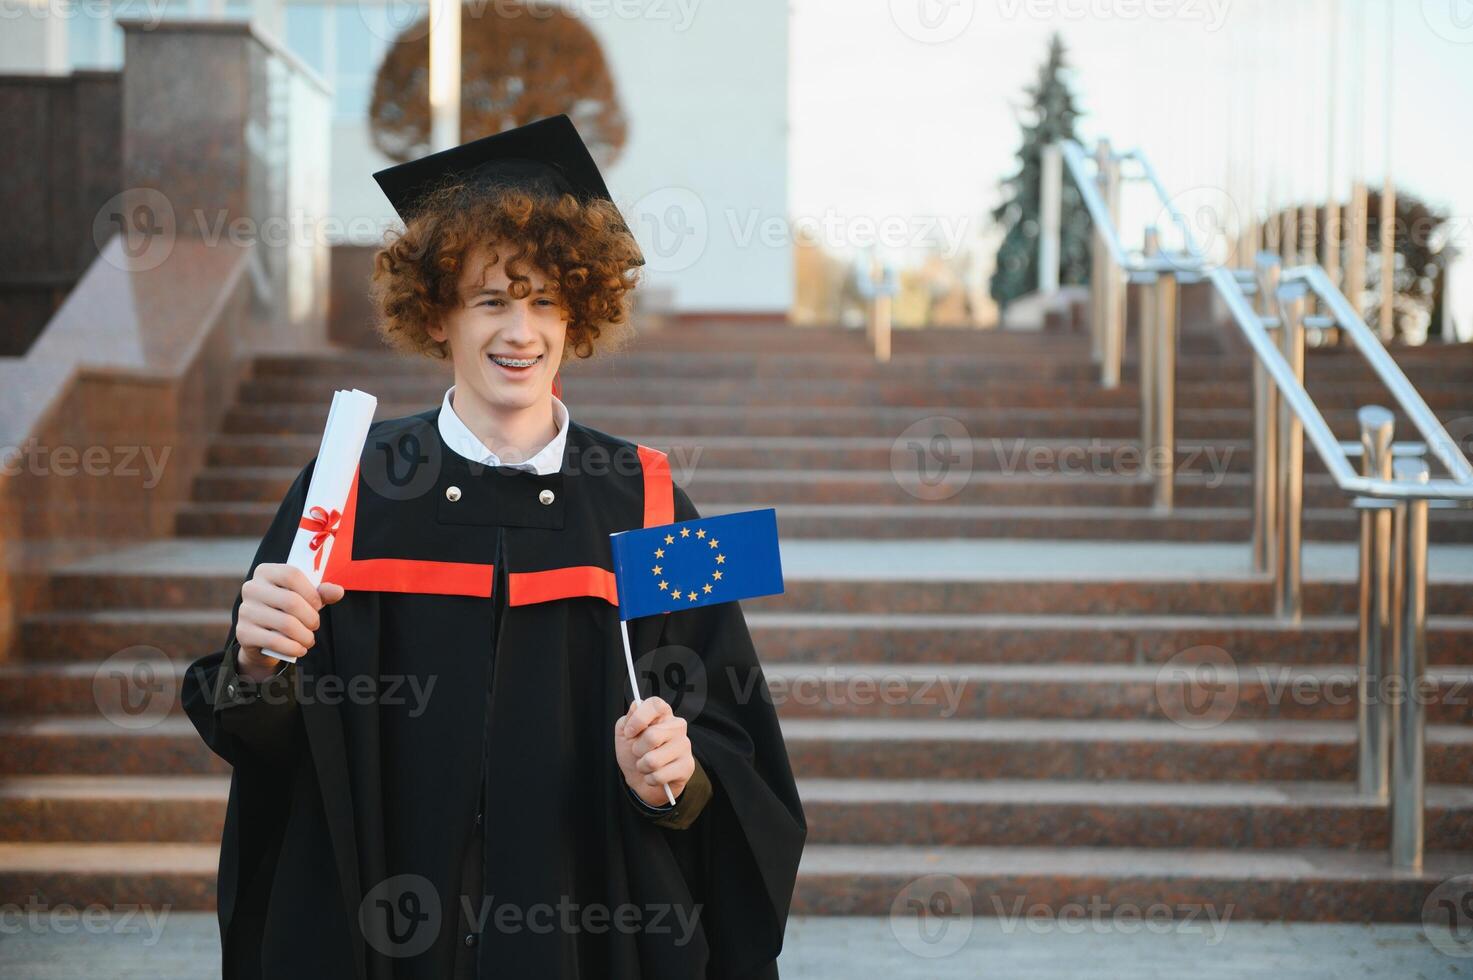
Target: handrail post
column 1265, row 424
column 1288, row 581
column 1115, row 292
column 1163, row 360
column 1099, row 258
column 1050, row 207
column 1373, row 723
column 1148, row 342
column 1408, row 773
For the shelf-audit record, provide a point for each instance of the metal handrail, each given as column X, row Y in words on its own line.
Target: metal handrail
column 1316, row 429
column 1393, row 488
column 1144, row 269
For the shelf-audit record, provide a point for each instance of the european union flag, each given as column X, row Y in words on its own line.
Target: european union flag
column 695, row 563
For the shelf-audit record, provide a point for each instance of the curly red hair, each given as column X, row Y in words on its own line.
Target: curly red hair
column 582, row 247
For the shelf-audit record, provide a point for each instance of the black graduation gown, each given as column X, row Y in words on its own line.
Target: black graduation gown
column 475, row 665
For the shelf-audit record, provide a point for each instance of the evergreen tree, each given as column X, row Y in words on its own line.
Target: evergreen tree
column 1052, row 118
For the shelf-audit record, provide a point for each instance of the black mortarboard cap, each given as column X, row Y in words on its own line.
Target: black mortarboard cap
column 546, row 157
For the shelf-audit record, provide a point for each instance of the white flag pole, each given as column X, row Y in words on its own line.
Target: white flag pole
column 634, row 685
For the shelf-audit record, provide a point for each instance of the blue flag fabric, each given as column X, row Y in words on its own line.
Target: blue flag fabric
column 695, row 563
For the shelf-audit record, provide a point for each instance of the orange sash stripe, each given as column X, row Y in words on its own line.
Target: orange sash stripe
column 525, row 588
column 659, row 491
column 399, row 574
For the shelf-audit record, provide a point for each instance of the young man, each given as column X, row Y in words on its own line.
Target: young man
column 452, row 781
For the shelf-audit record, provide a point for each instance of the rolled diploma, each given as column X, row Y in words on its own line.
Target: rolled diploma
column 337, row 467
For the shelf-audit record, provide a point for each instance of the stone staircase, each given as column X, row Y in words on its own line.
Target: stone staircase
column 988, row 676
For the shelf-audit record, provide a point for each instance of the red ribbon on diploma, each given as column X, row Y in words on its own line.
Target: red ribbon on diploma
column 325, row 524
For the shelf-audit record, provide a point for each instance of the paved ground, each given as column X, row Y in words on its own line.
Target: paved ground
column 185, row 947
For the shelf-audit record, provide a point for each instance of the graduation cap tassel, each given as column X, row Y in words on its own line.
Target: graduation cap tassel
column 634, row 685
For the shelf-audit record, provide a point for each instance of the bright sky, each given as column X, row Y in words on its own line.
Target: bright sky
column 904, row 108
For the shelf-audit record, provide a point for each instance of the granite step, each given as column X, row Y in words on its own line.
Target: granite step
column 829, row 748
column 694, row 421
column 1022, row 595
column 579, row 389
column 1133, row 750
column 1118, row 887
column 113, row 809
column 902, row 485
column 946, row 520
column 1122, row 457
column 1179, row 691
column 995, row 813
column 1069, row 813
column 1203, row 889
column 74, row 636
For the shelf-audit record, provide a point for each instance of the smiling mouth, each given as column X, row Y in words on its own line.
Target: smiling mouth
column 514, row 362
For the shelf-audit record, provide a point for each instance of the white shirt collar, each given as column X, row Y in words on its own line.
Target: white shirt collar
column 463, row 442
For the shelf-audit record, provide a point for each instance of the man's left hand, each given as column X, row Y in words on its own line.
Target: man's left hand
column 653, row 750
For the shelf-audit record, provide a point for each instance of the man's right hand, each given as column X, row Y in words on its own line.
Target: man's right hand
column 279, row 610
